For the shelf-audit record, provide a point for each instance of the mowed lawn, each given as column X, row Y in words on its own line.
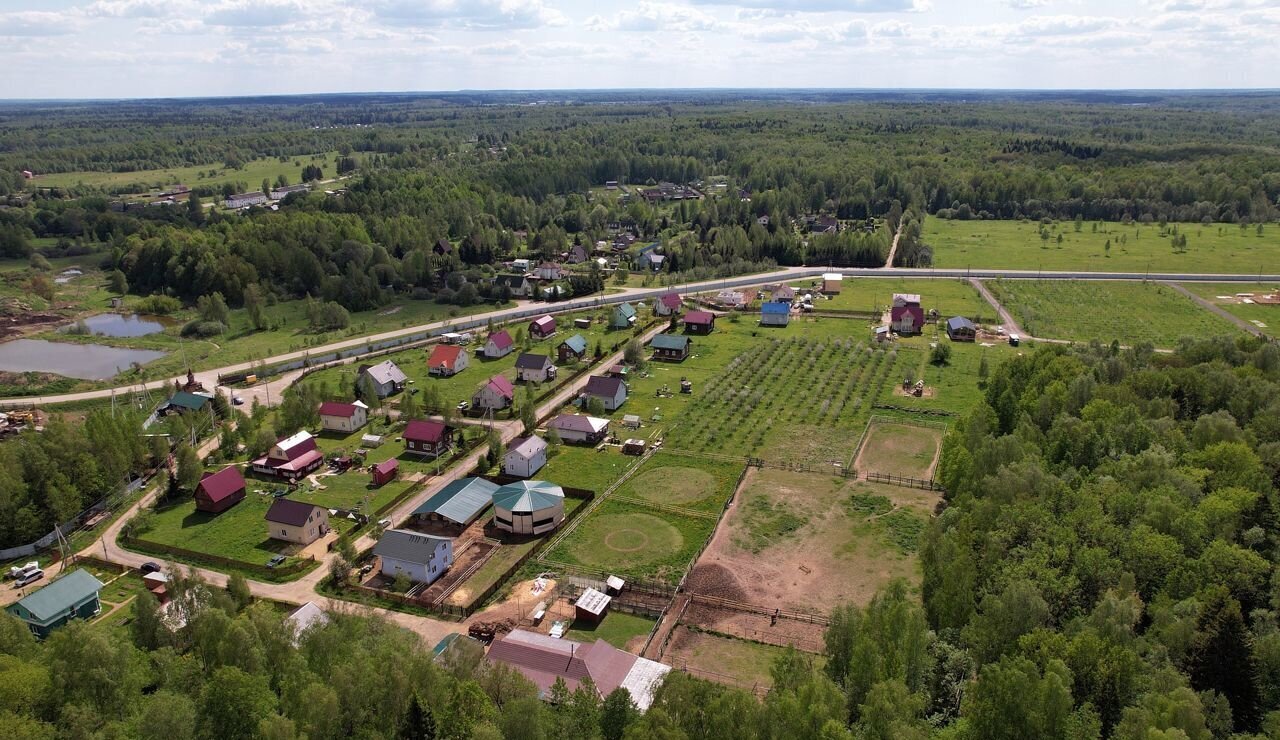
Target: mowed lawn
column 1016, row 245
column 634, row 541
column 579, row 466
column 239, row 533
column 1225, row 296
column 679, row 480
column 1131, row 312
column 619, row 629
column 214, row 174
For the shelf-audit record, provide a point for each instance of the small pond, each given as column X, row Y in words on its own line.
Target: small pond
column 68, row 275
column 86, row 361
column 117, row 325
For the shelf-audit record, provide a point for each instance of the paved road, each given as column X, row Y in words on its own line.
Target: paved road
column 209, row 377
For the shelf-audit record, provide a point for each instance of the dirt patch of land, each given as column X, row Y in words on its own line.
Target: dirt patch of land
column 721, row 659
column 807, row 542
column 900, row 449
column 927, row 392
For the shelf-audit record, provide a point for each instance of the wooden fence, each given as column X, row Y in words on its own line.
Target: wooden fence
column 749, row 608
column 262, row 572
column 905, row 482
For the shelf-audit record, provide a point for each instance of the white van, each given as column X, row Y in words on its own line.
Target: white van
column 30, row 577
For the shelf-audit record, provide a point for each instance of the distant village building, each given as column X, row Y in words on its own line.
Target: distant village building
column 285, row 192
column 244, row 200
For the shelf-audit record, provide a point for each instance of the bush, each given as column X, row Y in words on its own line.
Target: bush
column 157, row 305
column 203, row 329
column 941, row 354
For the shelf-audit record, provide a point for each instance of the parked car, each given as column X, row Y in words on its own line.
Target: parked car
column 30, row 577
column 237, row 400
column 273, row 562
column 19, row 571
column 150, row 566
column 464, row 405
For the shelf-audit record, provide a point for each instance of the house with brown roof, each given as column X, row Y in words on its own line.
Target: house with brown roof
column 296, row 521
column 447, row 360
column 699, row 322
column 219, row 491
column 612, row 392
column 343, row 417
column 542, row 659
column 534, row 368
column 427, row 437
column 495, row 395
column 290, row 457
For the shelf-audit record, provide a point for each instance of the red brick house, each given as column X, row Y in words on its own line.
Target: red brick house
column 220, row 491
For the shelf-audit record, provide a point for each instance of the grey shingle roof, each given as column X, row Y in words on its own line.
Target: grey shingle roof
column 408, row 546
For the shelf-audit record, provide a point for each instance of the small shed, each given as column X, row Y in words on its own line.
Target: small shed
column 613, row 585
column 631, row 421
column 633, row 447
column 371, row 440
column 591, row 606
column 384, row 471
column 582, row 323
column 832, row 282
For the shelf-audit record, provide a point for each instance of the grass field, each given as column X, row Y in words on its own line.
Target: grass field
column 479, row 369
column 722, row 659
column 675, row 480
column 1128, row 311
column 239, row 533
column 899, row 449
column 617, row 628
column 950, row 297
column 634, row 541
column 210, row 175
column 1224, row 296
column 1014, row 245
column 586, row 467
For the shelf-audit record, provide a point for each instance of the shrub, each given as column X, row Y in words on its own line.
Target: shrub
column 158, row 305
column 203, row 329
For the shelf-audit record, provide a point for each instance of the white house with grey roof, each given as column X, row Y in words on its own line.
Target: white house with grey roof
column 387, row 377
column 525, row 457
column 421, row 557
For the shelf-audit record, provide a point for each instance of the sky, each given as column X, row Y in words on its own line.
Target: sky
column 195, row 48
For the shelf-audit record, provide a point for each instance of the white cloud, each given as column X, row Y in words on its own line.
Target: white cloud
column 826, row 6
column 651, row 17
column 1057, row 25
column 256, row 13
column 131, row 8
column 1026, row 4
column 37, row 23
column 468, row 14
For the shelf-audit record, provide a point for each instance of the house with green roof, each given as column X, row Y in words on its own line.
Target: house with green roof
column 624, row 316
column 73, row 596
column 184, row 402
column 673, row 347
column 460, row 502
column 528, row 507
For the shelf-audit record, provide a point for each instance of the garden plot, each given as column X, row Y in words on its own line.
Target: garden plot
column 808, row 542
column 1126, row 311
column 800, row 398
column 902, row 450
column 948, row 296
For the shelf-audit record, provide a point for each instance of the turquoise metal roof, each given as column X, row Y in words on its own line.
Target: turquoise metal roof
column 670, row 341
column 61, row 595
column 626, row 309
column 190, row 401
column 461, row 500
column 577, row 343
column 528, row 496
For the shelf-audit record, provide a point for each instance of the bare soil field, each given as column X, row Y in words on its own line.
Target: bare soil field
column 805, row 542
column 900, row 449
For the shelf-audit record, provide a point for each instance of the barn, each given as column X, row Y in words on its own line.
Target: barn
column 960, row 329
column 458, row 503
column 528, row 507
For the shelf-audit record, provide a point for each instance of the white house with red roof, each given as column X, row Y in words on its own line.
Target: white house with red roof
column 447, row 360
column 495, row 395
column 500, row 344
column 668, row 304
column 343, row 417
column 292, row 457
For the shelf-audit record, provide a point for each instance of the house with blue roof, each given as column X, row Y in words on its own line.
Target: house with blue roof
column 571, row 349
column 73, row 596
column 775, row 314
column 460, row 502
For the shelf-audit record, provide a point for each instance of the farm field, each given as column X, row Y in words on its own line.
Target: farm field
column 634, row 541
column 463, row 385
column 722, row 659
column 1016, row 245
column 950, row 297
column 808, row 541
column 1129, row 312
column 210, row 175
column 1224, row 296
column 899, row 450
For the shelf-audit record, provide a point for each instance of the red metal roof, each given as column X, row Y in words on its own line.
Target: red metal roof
column 386, row 466
column 290, row 512
column 218, row 486
column 500, row 384
column 544, row 323
column 542, row 659
column 501, row 339
column 670, row 300
column 699, row 317
column 334, row 408
column 444, row 354
column 431, row 432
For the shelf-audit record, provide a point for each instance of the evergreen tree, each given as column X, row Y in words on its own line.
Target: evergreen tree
column 418, row 723
column 1222, row 659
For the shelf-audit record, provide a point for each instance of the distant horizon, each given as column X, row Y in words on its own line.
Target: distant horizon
column 1172, row 91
